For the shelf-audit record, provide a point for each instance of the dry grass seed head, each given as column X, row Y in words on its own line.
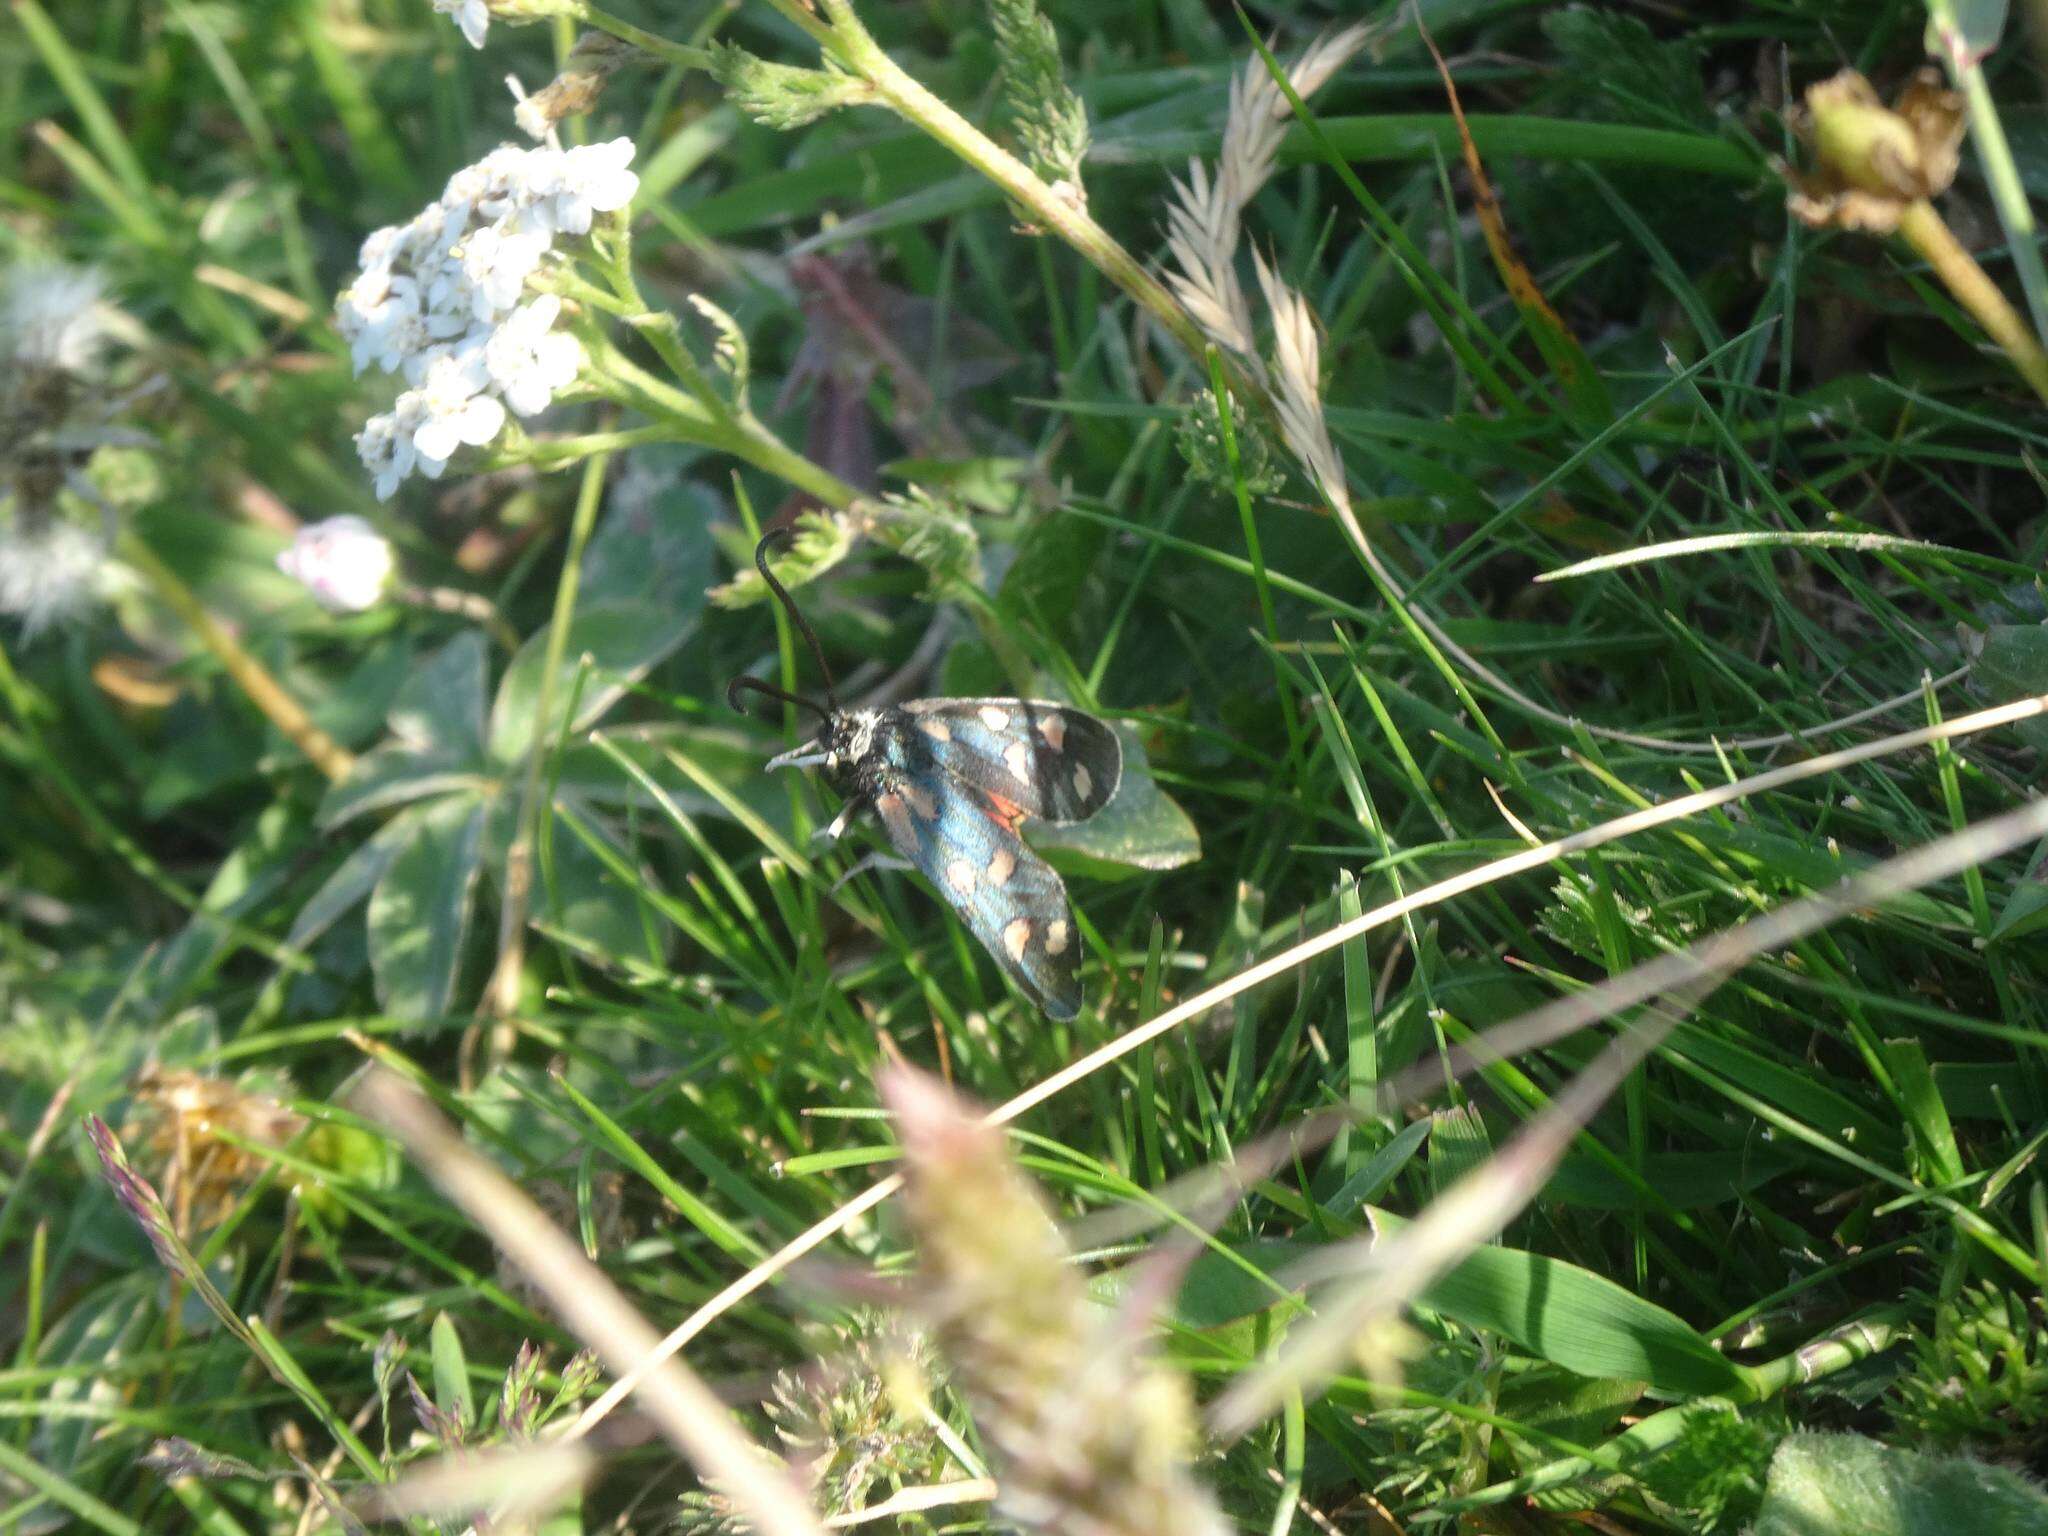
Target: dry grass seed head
column 1094, row 1435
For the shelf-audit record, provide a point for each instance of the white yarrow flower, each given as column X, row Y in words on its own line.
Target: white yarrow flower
column 528, row 360
column 473, row 16
column 441, row 301
column 379, row 316
column 344, row 562
column 453, row 408
column 497, row 262
column 588, row 180
column 386, row 451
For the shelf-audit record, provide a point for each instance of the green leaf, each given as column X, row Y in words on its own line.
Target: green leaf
column 1846, row 1485
column 1457, row 1145
column 998, row 485
column 452, row 1393
column 440, row 708
column 1575, row 1318
column 582, row 895
column 420, row 909
column 2026, row 905
column 394, row 775
column 655, row 547
column 353, row 879
column 624, row 641
column 1683, row 1180
column 1142, row 828
column 2010, row 661
column 1934, row 1137
column 437, row 737
column 1379, row 1170
column 820, row 541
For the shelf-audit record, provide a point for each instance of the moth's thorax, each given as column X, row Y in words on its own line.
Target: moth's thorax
column 865, row 749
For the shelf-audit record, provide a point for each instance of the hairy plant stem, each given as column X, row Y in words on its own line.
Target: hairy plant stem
column 647, row 42
column 255, row 680
column 842, row 34
column 739, row 433
column 1837, row 1350
column 1922, row 228
column 700, row 412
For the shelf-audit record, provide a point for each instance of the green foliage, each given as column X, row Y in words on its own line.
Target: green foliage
column 819, row 541
column 1838, row 1134
column 1049, row 120
column 933, row 534
column 1199, row 435
column 783, row 95
column 1713, row 1476
column 1633, row 74
column 1845, row 1485
column 1978, row 1377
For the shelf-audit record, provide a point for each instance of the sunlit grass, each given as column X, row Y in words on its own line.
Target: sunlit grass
column 1815, row 498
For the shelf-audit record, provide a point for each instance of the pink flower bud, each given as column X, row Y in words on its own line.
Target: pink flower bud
column 344, row 562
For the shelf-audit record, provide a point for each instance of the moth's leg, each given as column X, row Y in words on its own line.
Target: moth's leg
column 825, row 836
column 870, row 861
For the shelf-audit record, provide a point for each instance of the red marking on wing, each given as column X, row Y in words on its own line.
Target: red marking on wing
column 1008, row 812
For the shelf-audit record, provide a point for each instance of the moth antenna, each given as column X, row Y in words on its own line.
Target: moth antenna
column 796, row 614
column 740, row 685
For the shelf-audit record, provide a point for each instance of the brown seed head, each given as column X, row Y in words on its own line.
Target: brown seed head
column 1870, row 161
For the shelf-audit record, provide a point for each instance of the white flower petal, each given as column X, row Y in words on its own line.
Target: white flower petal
column 479, row 421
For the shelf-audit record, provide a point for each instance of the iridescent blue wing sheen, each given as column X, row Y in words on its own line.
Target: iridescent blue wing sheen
column 1048, row 760
column 965, row 842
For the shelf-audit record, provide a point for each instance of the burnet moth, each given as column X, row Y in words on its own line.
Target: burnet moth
column 951, row 781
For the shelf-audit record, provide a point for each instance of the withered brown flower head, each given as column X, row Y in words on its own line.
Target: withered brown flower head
column 1872, row 162
column 178, row 1126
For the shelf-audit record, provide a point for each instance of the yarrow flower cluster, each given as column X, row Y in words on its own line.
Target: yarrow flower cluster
column 439, row 302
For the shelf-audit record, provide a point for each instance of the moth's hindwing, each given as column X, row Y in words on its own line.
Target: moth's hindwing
column 965, row 843
column 1048, row 760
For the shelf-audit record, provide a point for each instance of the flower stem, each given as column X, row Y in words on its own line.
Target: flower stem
column 895, row 88
column 1965, row 59
column 1923, row 229
column 647, row 42
column 700, row 411
column 244, row 670
column 473, row 606
column 739, row 433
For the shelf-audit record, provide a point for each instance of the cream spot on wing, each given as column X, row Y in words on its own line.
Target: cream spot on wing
column 995, row 719
column 895, row 817
column 921, row 800
column 1001, row 866
column 960, row 876
column 1082, row 782
column 1056, row 936
column 1054, row 729
column 938, row 730
column 1018, row 756
column 1015, row 936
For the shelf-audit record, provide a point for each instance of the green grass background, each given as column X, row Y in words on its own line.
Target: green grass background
column 1847, row 1130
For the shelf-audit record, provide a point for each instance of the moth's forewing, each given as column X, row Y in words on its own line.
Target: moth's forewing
column 1053, row 762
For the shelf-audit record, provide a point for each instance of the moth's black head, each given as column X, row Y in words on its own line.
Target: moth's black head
column 853, row 751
